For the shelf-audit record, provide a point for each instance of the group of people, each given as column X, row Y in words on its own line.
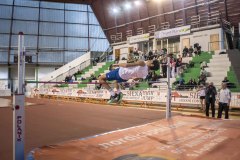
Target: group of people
column 188, row 52
column 69, row 78
column 209, row 96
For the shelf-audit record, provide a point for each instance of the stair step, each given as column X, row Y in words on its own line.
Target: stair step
column 219, row 65
column 213, row 69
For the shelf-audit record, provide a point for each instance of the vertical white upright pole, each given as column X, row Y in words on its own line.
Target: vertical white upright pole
column 18, row 107
column 168, row 102
column 167, row 47
column 20, row 62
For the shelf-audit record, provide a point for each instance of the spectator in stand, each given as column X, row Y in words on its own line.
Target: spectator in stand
column 202, row 93
column 181, row 83
column 130, row 58
column 155, row 54
column 70, row 79
column 66, row 79
column 164, row 67
column 225, row 80
column 203, row 72
column 98, row 85
column 97, row 59
column 135, row 53
column 149, row 76
column 201, row 80
column 74, row 78
column 164, row 51
column 229, row 85
column 224, row 101
column 93, row 77
column 116, row 61
column 197, row 49
column 178, row 64
column 141, row 56
column 154, row 78
column 190, row 84
column 185, row 51
column 150, row 55
column 79, row 72
column 173, row 67
column 203, row 64
column 194, row 83
column 190, row 52
column 211, row 93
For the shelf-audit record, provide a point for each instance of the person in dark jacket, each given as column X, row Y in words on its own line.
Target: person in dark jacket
column 211, row 93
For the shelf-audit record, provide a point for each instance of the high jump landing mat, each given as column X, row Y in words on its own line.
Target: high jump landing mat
column 179, row 138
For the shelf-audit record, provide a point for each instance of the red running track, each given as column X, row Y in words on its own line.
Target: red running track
column 50, row 122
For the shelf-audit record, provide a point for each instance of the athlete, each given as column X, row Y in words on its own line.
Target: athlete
column 124, row 72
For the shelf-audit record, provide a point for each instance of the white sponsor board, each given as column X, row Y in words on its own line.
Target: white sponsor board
column 154, row 96
column 5, row 92
column 173, row 32
column 139, row 38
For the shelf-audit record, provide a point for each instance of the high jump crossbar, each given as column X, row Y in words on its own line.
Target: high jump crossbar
column 47, row 82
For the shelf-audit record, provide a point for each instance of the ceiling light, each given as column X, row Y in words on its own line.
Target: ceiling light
column 127, row 5
column 137, row 3
column 115, row 10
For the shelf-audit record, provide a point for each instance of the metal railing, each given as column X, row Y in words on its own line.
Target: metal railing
column 72, row 71
column 105, row 54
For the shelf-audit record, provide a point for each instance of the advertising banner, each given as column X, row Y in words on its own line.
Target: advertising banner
column 154, row 96
column 173, row 32
column 139, row 38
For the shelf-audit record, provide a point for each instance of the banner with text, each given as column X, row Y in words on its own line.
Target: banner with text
column 139, row 38
column 154, row 96
column 173, row 32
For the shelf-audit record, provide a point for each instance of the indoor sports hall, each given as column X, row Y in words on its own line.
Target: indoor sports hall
column 119, row 79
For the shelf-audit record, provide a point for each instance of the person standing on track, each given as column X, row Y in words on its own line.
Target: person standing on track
column 202, row 94
column 136, row 70
column 211, row 93
column 224, row 101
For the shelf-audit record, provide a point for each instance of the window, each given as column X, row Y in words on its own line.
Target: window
column 92, row 19
column 29, row 41
column 4, row 40
column 61, row 31
column 55, row 29
column 99, row 44
column 3, row 56
column 96, row 31
column 27, row 27
column 51, row 42
column 30, row 3
column 52, row 5
column 76, row 43
column 76, row 7
column 9, row 2
column 5, row 12
column 69, row 56
column 76, row 17
column 52, row 15
column 50, row 57
column 90, row 9
column 77, row 30
column 25, row 13
column 5, row 26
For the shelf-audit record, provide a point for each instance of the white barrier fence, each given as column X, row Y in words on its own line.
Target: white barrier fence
column 154, row 96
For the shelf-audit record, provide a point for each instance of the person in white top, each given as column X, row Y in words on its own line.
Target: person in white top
column 137, row 70
column 224, row 101
column 202, row 93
